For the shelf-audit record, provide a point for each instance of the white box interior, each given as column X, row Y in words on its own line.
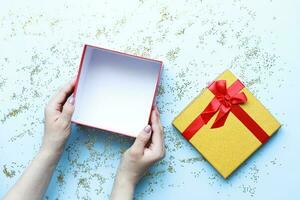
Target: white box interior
column 115, row 91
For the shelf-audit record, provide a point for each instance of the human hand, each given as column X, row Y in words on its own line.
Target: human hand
column 144, row 152
column 35, row 179
column 58, row 113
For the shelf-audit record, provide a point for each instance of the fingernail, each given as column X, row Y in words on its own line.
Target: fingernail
column 147, row 129
column 71, row 100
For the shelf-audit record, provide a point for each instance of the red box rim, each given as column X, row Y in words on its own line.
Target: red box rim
column 122, row 53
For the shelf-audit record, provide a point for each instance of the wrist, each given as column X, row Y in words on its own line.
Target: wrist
column 123, row 188
column 53, row 148
column 124, row 180
column 50, row 153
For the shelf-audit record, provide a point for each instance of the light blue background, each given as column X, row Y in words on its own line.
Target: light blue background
column 41, row 44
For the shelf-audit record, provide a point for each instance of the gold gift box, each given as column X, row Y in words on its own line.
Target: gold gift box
column 228, row 146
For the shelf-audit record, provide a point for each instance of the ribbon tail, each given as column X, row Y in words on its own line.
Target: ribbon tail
column 220, row 120
column 210, row 110
column 221, row 117
column 201, row 119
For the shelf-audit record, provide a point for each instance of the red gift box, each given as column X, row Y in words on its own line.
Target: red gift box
column 115, row 91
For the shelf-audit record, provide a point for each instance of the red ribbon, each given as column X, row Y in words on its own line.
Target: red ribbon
column 226, row 100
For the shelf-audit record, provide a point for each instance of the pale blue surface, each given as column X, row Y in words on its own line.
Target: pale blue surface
column 41, row 45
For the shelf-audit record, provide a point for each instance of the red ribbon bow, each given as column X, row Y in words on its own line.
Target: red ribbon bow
column 226, row 100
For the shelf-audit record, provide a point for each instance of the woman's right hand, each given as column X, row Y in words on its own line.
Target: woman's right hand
column 136, row 160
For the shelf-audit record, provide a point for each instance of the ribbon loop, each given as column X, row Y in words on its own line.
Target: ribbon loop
column 225, row 101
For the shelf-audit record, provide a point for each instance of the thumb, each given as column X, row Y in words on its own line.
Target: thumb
column 142, row 140
column 68, row 110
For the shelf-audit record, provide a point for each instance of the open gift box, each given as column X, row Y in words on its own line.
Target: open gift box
column 115, row 91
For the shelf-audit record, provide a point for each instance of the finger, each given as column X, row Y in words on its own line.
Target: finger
column 157, row 135
column 67, row 111
column 142, row 140
column 58, row 100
